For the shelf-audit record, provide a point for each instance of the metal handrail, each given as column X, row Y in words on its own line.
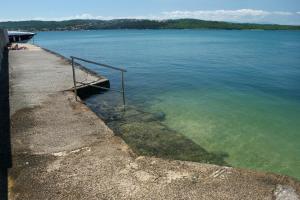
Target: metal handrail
column 99, row 64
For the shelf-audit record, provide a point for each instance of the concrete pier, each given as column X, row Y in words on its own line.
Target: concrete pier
column 62, row 150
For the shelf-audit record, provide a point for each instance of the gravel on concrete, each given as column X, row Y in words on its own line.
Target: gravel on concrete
column 62, row 150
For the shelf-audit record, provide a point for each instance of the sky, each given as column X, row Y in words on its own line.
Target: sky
column 254, row 11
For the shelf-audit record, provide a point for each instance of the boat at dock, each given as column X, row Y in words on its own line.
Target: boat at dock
column 20, row 37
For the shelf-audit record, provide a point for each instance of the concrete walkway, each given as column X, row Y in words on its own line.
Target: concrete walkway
column 62, row 150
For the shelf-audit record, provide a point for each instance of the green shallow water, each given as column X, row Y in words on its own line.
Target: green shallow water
column 256, row 131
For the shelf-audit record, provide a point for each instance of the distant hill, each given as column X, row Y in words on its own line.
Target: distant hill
column 136, row 24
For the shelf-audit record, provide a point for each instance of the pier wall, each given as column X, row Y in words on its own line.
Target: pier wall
column 5, row 148
column 4, row 103
column 3, row 43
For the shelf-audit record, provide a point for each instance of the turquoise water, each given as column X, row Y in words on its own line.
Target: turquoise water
column 236, row 92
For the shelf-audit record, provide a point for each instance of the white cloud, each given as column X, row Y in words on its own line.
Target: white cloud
column 81, row 16
column 242, row 15
column 218, row 15
column 84, row 16
column 215, row 14
column 282, row 13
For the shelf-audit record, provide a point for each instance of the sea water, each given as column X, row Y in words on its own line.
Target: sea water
column 229, row 93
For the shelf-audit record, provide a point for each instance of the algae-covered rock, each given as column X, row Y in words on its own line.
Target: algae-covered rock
column 145, row 133
column 155, row 139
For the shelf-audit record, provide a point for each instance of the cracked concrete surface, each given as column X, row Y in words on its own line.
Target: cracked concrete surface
column 62, row 150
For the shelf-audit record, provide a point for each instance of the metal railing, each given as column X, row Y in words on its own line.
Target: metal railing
column 89, row 84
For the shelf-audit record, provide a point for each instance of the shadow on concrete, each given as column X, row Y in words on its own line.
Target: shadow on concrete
column 5, row 143
column 86, row 92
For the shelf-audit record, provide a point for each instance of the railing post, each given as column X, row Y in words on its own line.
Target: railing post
column 103, row 65
column 123, row 88
column 74, row 78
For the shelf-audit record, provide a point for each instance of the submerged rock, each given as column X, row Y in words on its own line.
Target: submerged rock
column 285, row 193
column 159, row 116
column 155, row 139
column 145, row 133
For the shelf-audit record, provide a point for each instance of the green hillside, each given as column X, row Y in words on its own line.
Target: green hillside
column 136, row 24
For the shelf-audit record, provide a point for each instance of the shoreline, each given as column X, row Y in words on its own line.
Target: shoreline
column 86, row 160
